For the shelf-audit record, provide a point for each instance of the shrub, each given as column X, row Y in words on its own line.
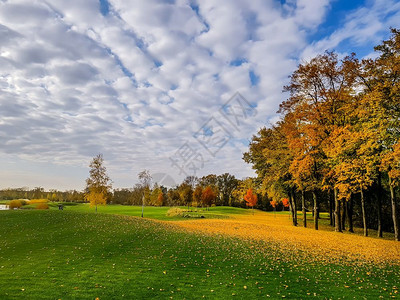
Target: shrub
column 175, row 212
column 24, row 201
column 14, row 204
column 178, row 212
column 42, row 206
column 35, row 201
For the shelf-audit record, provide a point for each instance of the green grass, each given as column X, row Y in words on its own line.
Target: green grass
column 79, row 255
column 159, row 213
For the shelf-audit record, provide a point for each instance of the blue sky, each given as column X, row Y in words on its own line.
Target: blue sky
column 176, row 87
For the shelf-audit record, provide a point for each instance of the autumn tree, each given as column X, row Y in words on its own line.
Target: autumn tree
column 173, row 196
column 160, row 199
column 186, row 192
column 98, row 184
column 154, row 196
column 318, row 89
column 271, row 157
column 274, row 204
column 197, row 194
column 251, row 199
column 240, row 190
column 378, row 117
column 211, row 181
column 355, row 150
column 208, row 196
column 386, row 71
column 285, row 202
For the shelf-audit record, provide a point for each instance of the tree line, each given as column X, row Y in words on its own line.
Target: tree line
column 40, row 193
column 218, row 190
column 336, row 144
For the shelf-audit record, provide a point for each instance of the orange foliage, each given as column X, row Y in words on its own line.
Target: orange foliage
column 160, row 199
column 208, row 196
column 250, row 198
column 273, row 203
column 285, row 202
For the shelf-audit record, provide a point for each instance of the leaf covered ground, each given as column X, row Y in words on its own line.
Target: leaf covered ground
column 319, row 245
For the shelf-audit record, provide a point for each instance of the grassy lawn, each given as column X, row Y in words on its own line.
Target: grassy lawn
column 159, row 213
column 74, row 254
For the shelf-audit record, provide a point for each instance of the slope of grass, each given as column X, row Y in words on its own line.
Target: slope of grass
column 77, row 255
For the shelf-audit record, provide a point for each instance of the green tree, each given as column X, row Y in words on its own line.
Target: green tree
column 226, row 184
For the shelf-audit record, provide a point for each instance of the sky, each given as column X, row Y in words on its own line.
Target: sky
column 177, row 87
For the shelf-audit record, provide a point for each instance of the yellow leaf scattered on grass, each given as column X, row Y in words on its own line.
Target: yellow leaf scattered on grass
column 324, row 245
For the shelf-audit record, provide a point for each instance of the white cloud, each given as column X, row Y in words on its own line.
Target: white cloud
column 137, row 83
column 365, row 26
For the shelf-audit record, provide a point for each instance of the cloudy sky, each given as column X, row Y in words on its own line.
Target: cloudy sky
column 154, row 84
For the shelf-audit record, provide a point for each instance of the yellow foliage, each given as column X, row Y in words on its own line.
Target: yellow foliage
column 175, row 212
column 42, row 205
column 35, row 201
column 391, row 163
column 95, row 198
column 14, row 204
column 317, row 245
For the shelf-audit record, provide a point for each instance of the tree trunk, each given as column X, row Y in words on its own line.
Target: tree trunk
column 303, row 204
column 343, row 219
column 379, row 205
column 338, row 223
column 142, row 205
column 394, row 210
column 364, row 217
column 350, row 213
column 293, row 207
column 331, row 218
column 315, row 199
